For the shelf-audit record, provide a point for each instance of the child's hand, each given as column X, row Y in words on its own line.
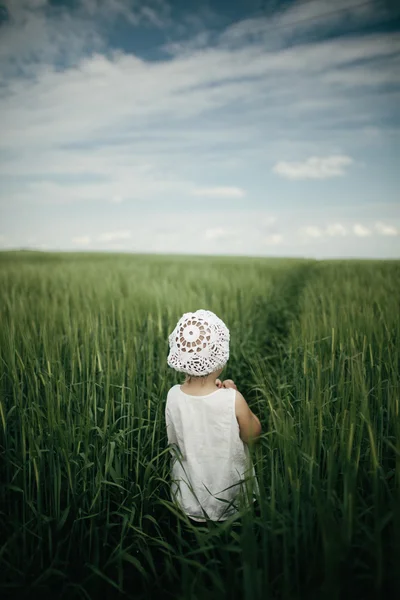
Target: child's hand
column 228, row 383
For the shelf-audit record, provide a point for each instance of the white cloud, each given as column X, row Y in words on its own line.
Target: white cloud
column 219, row 192
column 360, row 230
column 312, row 231
column 318, row 14
column 314, row 167
column 132, row 182
column 235, row 231
column 268, row 221
column 218, row 233
column 336, row 229
column 361, row 75
column 216, row 112
column 114, row 235
column 83, row 240
column 271, row 26
column 384, row 229
column 273, row 239
column 74, row 105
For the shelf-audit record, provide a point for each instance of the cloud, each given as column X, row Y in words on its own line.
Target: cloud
column 339, row 230
column 110, row 236
column 384, row 229
column 312, row 231
column 237, row 231
column 83, row 240
column 72, row 106
column 272, row 26
column 360, row 230
column 219, row 192
column 35, row 35
column 314, row 167
column 273, row 239
column 268, row 221
column 336, row 229
column 103, row 125
column 108, row 181
column 318, row 14
column 114, row 235
column 218, row 233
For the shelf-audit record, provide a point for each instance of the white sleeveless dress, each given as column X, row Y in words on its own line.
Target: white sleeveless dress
column 212, row 473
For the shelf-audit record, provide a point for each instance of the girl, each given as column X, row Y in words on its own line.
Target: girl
column 208, row 423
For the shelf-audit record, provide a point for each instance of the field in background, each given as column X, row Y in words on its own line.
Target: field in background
column 84, row 499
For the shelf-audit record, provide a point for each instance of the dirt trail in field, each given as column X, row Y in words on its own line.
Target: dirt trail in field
column 275, row 317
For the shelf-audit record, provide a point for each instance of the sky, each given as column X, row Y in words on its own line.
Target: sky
column 233, row 127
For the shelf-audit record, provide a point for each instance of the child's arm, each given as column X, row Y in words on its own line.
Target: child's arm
column 249, row 424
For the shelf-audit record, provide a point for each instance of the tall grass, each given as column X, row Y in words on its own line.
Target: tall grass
column 333, row 425
column 85, row 505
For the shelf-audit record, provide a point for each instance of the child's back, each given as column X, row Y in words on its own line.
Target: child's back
column 211, row 459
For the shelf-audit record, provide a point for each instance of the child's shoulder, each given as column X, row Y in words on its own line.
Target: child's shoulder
column 173, row 389
column 172, row 396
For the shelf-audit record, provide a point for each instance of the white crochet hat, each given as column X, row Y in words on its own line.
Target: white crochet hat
column 199, row 344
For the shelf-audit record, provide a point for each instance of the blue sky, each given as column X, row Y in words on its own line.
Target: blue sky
column 261, row 128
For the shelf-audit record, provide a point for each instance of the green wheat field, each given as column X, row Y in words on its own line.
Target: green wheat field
column 85, row 509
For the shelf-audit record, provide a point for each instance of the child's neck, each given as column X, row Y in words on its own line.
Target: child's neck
column 200, row 387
